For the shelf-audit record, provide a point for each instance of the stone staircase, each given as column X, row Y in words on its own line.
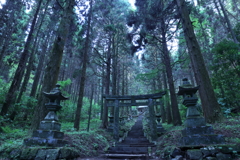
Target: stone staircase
column 134, row 146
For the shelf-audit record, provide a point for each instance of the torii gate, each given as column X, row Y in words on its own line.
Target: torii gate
column 120, row 101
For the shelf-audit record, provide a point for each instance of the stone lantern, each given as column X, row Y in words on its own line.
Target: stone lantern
column 190, row 100
column 110, row 126
column 196, row 131
column 160, row 128
column 48, row 133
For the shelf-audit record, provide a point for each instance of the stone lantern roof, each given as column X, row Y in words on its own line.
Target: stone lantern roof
column 187, row 88
column 55, row 95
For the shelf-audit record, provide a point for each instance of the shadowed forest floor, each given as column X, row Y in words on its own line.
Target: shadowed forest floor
column 96, row 142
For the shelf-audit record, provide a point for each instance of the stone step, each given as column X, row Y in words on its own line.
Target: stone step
column 136, row 138
column 128, row 150
column 136, row 145
column 126, row 156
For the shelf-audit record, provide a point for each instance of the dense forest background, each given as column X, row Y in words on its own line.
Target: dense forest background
column 92, row 48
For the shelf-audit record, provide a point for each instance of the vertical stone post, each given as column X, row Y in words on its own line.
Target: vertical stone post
column 152, row 120
column 116, row 120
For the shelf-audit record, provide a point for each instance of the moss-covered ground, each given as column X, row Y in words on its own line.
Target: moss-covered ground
column 228, row 127
column 96, row 141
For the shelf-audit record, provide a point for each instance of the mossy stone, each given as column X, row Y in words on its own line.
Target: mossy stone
column 221, row 156
column 52, row 154
column 29, row 153
column 65, row 153
column 41, row 154
column 194, row 154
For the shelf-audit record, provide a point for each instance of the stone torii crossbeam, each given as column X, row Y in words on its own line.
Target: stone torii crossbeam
column 117, row 101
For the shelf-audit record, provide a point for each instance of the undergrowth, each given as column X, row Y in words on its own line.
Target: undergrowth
column 229, row 128
column 169, row 140
column 86, row 144
column 89, row 144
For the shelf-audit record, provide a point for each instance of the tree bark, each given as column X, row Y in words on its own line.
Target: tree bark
column 84, row 68
column 228, row 22
column 167, row 61
column 90, row 109
column 166, row 99
column 211, row 109
column 11, row 95
column 52, row 70
column 107, row 85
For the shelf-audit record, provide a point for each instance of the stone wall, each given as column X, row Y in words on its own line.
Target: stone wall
column 216, row 152
column 36, row 153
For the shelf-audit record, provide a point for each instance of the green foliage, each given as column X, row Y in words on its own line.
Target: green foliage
column 89, row 144
column 11, row 138
column 63, row 85
column 148, row 76
column 110, row 28
column 229, row 127
column 3, row 90
column 226, row 72
column 237, row 31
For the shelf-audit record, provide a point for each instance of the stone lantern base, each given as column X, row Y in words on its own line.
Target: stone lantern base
column 197, row 133
column 48, row 134
column 160, row 129
column 202, row 139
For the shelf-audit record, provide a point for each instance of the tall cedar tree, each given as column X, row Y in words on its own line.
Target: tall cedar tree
column 55, row 58
column 154, row 15
column 211, row 108
column 11, row 95
column 84, row 69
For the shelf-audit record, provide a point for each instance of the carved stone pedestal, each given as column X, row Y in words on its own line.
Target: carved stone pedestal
column 196, row 131
column 48, row 133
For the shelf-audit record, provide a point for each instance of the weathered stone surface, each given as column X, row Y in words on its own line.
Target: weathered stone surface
column 194, row 154
column 188, row 131
column 206, row 152
column 195, row 122
column 226, row 149
column 44, row 142
column 179, row 157
column 192, row 111
column 41, row 154
column 48, row 134
column 49, row 125
column 65, row 153
column 213, row 150
column 176, row 152
column 29, row 153
column 221, row 156
column 52, row 154
column 202, row 139
column 211, row 158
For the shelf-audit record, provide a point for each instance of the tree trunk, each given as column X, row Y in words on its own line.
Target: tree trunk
column 84, row 68
column 211, row 109
column 90, row 109
column 52, row 70
column 11, row 95
column 39, row 69
column 167, row 61
column 107, row 85
column 228, row 22
column 166, row 99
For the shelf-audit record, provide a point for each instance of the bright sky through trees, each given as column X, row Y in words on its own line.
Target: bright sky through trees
column 2, row 2
column 132, row 2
